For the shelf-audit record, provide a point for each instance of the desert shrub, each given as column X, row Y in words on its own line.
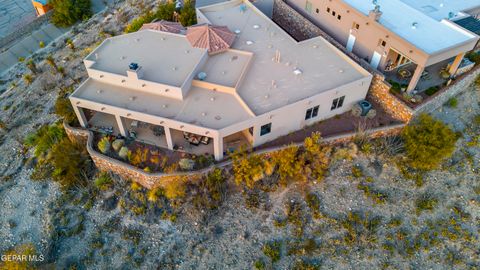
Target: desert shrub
column 27, row 249
column 28, row 79
column 313, row 203
column 165, row 11
column 395, row 87
column 175, row 189
column 134, row 186
column 295, row 216
column 104, row 145
column 118, row 144
column 361, row 228
column 452, row 102
column 186, row 164
column 154, row 194
column 288, row 165
column 32, row 66
column 428, row 142
column 139, row 157
column 188, row 15
column 68, row 12
column 41, row 44
column 103, row 181
column 273, row 250
column 137, row 23
column 426, row 201
column 477, row 81
column 70, row 162
column 304, row 264
column 215, row 184
column 432, row 90
column 316, row 157
column 259, row 264
column 63, row 107
column 123, row 153
column 44, row 139
column 247, row 169
column 357, row 171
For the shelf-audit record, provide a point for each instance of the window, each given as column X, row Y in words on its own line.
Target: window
column 311, row 112
column 328, row 9
column 339, row 17
column 265, row 129
column 317, row 10
column 382, row 43
column 308, row 6
column 356, row 26
column 337, row 103
column 334, row 13
column 250, row 130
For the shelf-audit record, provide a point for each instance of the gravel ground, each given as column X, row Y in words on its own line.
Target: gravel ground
column 100, row 231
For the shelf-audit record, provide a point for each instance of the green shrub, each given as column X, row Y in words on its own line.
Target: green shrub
column 70, row 162
column 103, row 181
column 137, row 23
column 428, row 142
column 104, row 145
column 474, row 57
column 215, row 184
column 123, row 153
column 452, row 102
column 118, row 144
column 186, row 164
column 247, row 169
column 313, row 203
column 44, row 139
column 260, row 264
column 432, row 90
column 28, row 79
column 68, row 12
column 426, row 201
column 273, row 250
column 188, row 15
column 165, row 11
column 41, row 44
column 175, row 189
column 63, row 107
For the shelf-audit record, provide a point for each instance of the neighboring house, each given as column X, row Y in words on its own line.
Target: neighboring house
column 240, row 85
column 411, row 41
column 41, row 6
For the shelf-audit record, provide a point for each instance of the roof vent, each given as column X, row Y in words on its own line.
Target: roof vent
column 375, row 13
column 237, row 31
column 202, row 76
column 249, row 42
column 134, row 71
column 256, row 26
column 218, row 117
column 414, row 25
column 297, row 71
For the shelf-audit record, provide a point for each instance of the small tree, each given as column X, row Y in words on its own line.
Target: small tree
column 68, row 12
column 188, row 15
column 165, row 11
column 175, row 189
column 428, row 142
column 247, row 169
column 186, row 164
column 28, row 79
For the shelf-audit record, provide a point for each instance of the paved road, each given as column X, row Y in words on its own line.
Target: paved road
column 15, row 13
column 30, row 43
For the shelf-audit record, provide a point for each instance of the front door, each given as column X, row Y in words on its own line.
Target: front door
column 350, row 42
column 375, row 59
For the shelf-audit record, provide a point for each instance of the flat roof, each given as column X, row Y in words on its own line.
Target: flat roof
column 201, row 107
column 442, row 9
column 430, row 34
column 164, row 57
column 269, row 84
column 227, row 67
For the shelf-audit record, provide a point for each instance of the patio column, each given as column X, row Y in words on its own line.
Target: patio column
column 121, row 125
column 218, row 147
column 456, row 63
column 168, row 136
column 415, row 78
column 80, row 116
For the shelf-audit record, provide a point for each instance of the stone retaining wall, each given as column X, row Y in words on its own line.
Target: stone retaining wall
column 380, row 93
column 458, row 86
column 153, row 180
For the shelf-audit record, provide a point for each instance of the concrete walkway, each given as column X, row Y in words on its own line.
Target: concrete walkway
column 30, row 43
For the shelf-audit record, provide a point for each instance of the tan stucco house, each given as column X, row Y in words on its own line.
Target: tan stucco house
column 419, row 36
column 263, row 86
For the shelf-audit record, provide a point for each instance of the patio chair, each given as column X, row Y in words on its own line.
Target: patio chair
column 205, row 140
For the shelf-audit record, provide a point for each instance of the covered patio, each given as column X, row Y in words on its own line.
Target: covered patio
column 191, row 143
column 102, row 122
column 146, row 132
column 238, row 140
